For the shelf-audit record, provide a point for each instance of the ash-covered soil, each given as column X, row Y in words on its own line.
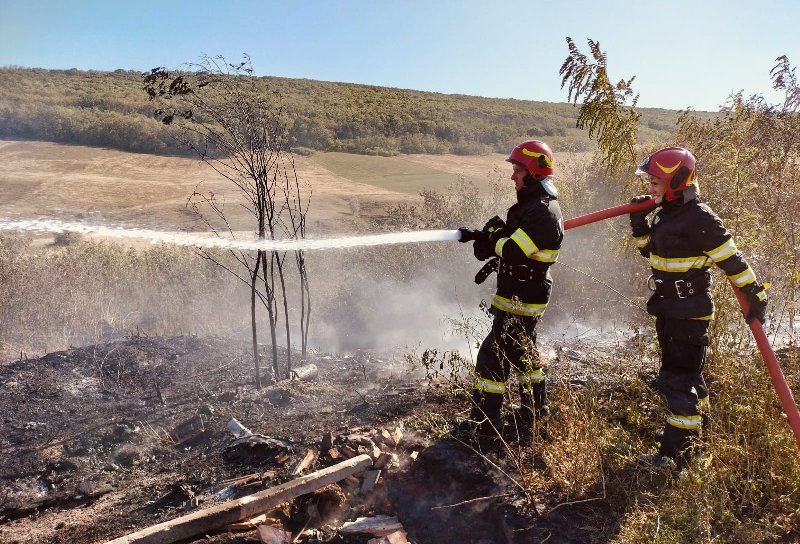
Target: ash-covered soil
column 101, row 441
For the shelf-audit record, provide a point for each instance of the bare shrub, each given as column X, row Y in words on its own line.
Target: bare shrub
column 240, row 131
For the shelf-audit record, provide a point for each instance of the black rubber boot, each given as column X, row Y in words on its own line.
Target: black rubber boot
column 540, row 399
column 524, row 412
column 486, row 409
column 485, row 421
column 676, row 443
column 532, row 408
column 657, row 462
column 533, row 402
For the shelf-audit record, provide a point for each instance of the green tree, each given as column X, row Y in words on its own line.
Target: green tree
column 748, row 160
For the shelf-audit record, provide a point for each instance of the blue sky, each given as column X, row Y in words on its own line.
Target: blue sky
column 683, row 53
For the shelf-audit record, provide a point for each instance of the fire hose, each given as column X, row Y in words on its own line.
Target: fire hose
column 767, row 354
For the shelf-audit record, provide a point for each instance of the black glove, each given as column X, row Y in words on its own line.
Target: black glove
column 757, row 301
column 468, row 235
column 494, row 229
column 483, row 248
column 639, row 224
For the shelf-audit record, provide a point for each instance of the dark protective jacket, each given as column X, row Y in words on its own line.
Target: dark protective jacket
column 528, row 248
column 681, row 243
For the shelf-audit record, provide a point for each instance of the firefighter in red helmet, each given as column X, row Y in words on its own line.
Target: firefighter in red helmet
column 521, row 249
column 681, row 243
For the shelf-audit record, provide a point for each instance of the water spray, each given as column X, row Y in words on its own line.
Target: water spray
column 210, row 241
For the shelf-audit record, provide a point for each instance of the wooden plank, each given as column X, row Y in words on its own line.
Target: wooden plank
column 397, row 436
column 347, row 451
column 383, row 460
column 397, row 537
column 246, row 507
column 246, row 524
column 370, row 480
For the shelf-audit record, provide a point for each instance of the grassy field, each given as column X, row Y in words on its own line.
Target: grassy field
column 48, row 180
column 41, row 179
column 401, row 174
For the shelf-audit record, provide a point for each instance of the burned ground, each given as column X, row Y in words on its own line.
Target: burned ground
column 100, row 441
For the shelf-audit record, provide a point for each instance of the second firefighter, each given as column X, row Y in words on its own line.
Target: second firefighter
column 681, row 243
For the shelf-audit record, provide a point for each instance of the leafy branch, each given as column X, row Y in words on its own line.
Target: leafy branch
column 604, row 110
column 784, row 79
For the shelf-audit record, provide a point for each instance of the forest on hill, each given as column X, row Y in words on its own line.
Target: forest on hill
column 111, row 109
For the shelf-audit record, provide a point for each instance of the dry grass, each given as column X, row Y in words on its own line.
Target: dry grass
column 82, row 292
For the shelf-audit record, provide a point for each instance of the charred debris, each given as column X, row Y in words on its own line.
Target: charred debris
column 140, row 438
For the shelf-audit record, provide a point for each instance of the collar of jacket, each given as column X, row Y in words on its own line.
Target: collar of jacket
column 691, row 194
column 675, row 204
column 533, row 192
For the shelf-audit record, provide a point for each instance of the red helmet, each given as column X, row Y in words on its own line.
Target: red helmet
column 674, row 165
column 534, row 155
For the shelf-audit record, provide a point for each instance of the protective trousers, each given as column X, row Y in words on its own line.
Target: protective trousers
column 510, row 344
column 683, row 343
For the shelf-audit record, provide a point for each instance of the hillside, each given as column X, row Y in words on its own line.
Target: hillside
column 136, row 343
column 110, row 109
